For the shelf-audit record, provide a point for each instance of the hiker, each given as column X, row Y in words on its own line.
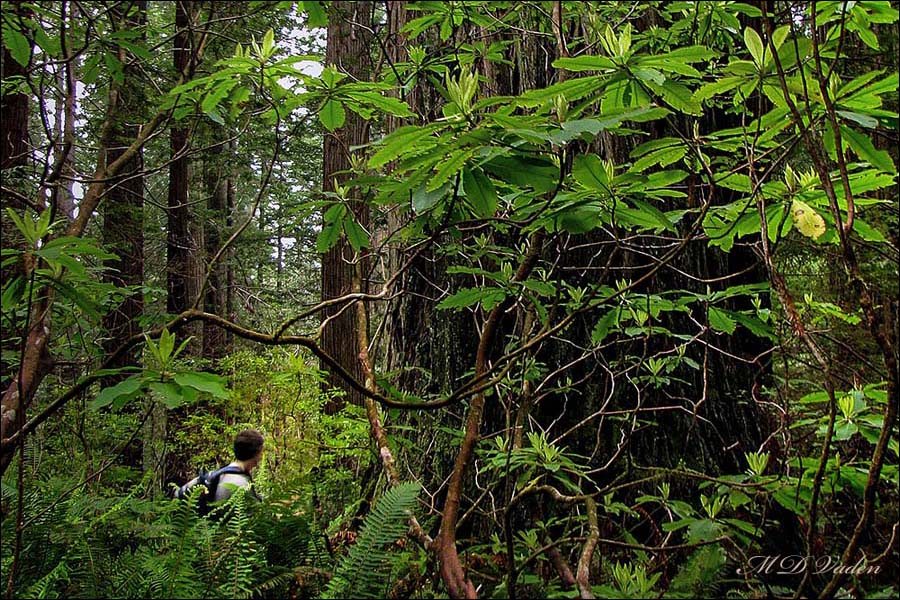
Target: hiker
column 248, row 447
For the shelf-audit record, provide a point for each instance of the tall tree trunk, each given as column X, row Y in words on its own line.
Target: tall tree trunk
column 229, row 262
column 13, row 107
column 14, row 154
column 123, row 210
column 181, row 246
column 123, row 214
column 216, row 183
column 347, row 50
column 35, row 361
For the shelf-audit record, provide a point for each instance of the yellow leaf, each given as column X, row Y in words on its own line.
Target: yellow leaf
column 806, row 220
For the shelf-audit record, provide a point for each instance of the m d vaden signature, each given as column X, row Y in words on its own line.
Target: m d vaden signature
column 795, row 564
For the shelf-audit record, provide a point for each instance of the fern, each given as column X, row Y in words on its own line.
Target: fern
column 87, row 544
column 700, row 575
column 366, row 570
column 178, row 571
column 43, row 588
column 240, row 555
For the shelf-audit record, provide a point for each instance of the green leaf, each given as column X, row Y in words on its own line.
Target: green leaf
column 662, row 179
column 448, row 168
column 423, row 199
column 649, row 74
column 656, row 144
column 656, row 217
column 864, row 120
column 215, row 116
column 387, row 104
column 25, row 226
column 703, row 530
column 542, row 288
column 867, row 232
column 268, row 43
column 863, row 147
column 166, row 345
column 17, row 44
column 356, row 234
column 315, row 14
column 167, row 392
column 755, row 326
column 719, row 86
column 120, row 393
column 399, row 142
column 590, row 171
column 736, row 181
column 114, row 66
column 12, row 294
column 189, row 395
column 688, row 54
column 585, row 63
column 215, row 97
column 489, row 297
column 328, row 237
column 604, row 324
column 578, row 220
column 538, row 174
column 82, row 300
column 677, row 96
column 806, row 220
column 662, row 157
column 480, row 192
column 332, row 115
column 754, row 45
column 204, row 382
column 720, row 320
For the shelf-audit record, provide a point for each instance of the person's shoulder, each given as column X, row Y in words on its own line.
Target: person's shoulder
column 239, row 479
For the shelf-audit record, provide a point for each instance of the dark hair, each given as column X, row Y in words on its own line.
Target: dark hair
column 247, row 444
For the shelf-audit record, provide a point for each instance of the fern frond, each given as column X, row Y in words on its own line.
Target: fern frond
column 43, row 588
column 178, row 567
column 700, row 575
column 365, row 572
column 273, row 579
column 240, row 556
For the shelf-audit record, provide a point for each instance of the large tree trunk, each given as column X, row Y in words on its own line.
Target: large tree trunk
column 14, row 154
column 123, row 216
column 216, row 182
column 181, row 245
column 35, row 359
column 13, row 108
column 123, row 211
column 348, row 50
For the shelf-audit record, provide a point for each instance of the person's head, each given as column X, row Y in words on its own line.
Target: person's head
column 248, row 446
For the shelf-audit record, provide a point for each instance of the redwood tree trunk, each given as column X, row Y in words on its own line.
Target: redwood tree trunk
column 216, row 184
column 20, row 385
column 181, row 246
column 123, row 209
column 348, row 51
column 13, row 153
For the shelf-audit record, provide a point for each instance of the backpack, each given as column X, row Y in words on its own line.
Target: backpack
column 210, row 480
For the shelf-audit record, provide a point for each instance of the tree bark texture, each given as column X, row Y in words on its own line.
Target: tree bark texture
column 123, row 208
column 182, row 249
column 14, row 153
column 216, row 182
column 347, row 50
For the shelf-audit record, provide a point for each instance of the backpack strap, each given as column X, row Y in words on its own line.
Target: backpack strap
column 215, row 476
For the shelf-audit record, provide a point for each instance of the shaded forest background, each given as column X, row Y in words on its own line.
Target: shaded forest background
column 529, row 299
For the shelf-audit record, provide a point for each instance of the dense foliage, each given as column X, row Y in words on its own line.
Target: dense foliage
column 529, row 299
